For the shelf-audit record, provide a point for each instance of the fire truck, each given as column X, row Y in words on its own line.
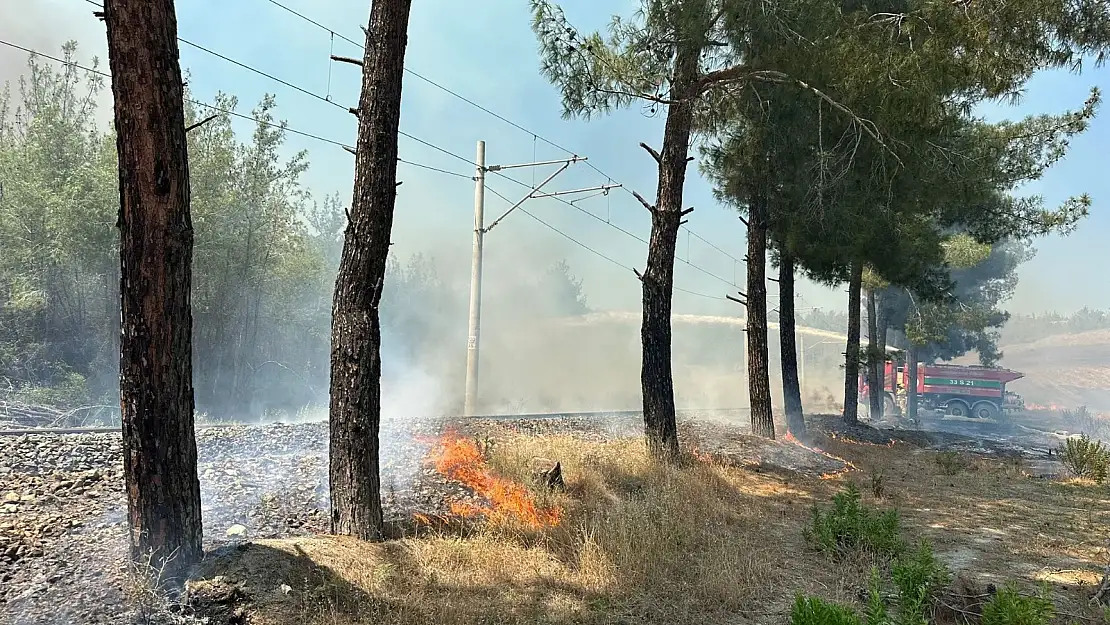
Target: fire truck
column 964, row 391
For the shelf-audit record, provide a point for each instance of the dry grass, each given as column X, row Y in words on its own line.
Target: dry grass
column 705, row 542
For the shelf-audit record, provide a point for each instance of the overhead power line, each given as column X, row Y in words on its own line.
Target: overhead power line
column 455, row 94
column 488, row 111
column 302, row 90
column 286, row 128
column 588, row 248
column 218, row 109
column 627, row 233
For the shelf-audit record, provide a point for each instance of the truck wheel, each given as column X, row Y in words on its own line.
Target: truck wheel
column 958, row 408
column 985, row 410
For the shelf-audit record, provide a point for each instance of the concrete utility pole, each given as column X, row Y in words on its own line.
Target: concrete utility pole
column 480, row 230
column 476, row 281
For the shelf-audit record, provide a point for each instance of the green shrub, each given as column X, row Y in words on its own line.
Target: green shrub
column 1088, row 422
column 849, row 526
column 952, row 463
column 1009, row 607
column 69, row 390
column 814, row 611
column 876, row 609
column 1085, row 458
column 918, row 578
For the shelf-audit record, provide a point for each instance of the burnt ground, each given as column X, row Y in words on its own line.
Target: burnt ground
column 63, row 531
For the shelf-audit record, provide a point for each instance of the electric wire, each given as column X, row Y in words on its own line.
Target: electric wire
column 487, row 111
column 302, row 90
column 286, row 128
column 218, row 109
column 589, row 248
column 622, row 230
column 453, row 93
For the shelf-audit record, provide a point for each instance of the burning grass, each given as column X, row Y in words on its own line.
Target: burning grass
column 462, row 460
column 709, row 541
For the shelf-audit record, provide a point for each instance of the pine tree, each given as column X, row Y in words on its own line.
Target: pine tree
column 356, row 365
column 156, row 253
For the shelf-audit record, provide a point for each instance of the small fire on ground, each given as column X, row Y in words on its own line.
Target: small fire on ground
column 461, row 460
column 844, row 439
column 848, row 466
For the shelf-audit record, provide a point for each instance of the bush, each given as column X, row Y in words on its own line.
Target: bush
column 1085, row 458
column 1088, row 422
column 849, row 526
column 1008, row 607
column 814, row 611
column 918, row 578
column 952, row 463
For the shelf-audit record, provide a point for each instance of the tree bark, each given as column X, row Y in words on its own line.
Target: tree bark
column 882, row 313
column 851, row 347
column 911, row 382
column 875, row 362
column 759, row 384
column 156, row 252
column 788, row 349
column 355, row 410
column 656, row 379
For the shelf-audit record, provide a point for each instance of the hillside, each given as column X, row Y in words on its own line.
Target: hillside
column 1064, row 369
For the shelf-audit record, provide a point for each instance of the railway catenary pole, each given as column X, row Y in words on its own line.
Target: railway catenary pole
column 475, row 321
column 473, row 342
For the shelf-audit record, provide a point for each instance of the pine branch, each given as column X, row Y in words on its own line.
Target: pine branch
column 200, row 123
column 650, row 150
column 346, row 59
column 742, row 302
column 646, row 204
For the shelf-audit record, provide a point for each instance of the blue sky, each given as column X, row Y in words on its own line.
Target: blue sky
column 486, row 52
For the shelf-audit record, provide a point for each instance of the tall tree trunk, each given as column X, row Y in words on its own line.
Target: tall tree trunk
column 851, row 347
column 156, row 253
column 875, row 362
column 911, row 382
column 759, row 384
column 788, row 349
column 656, row 379
column 882, row 313
column 356, row 366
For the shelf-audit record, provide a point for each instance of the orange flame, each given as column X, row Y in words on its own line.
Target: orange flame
column 848, row 466
column 460, row 460
column 844, row 439
column 701, row 456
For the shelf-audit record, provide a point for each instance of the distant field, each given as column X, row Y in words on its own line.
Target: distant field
column 1065, row 370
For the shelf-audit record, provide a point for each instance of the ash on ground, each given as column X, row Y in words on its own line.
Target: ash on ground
column 63, row 530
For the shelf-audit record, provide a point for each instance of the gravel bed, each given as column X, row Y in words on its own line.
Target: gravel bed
column 62, row 506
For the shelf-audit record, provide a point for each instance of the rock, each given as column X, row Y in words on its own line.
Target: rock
column 236, row 530
column 12, row 497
